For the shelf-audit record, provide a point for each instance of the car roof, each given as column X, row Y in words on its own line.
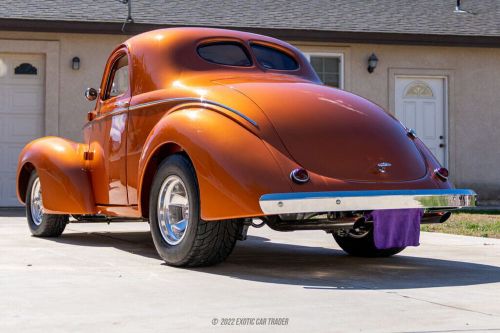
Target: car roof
column 159, row 57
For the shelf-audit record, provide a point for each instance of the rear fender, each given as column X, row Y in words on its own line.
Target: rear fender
column 63, row 177
column 233, row 165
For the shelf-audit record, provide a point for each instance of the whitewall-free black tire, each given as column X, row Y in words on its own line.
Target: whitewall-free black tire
column 180, row 236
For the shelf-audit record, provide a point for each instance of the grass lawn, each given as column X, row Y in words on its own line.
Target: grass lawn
column 482, row 223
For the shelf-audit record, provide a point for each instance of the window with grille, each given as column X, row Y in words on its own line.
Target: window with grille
column 329, row 68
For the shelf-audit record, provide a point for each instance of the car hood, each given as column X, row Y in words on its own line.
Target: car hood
column 334, row 133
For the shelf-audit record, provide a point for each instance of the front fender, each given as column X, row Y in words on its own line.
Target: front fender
column 64, row 180
column 233, row 165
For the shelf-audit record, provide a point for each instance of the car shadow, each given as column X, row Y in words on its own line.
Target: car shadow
column 12, row 211
column 259, row 259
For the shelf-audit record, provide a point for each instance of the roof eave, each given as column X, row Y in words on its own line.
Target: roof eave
column 286, row 34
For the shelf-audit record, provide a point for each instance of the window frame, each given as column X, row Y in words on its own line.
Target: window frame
column 339, row 55
column 111, row 76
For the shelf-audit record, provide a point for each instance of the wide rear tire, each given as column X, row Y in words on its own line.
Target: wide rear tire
column 40, row 223
column 362, row 244
column 180, row 236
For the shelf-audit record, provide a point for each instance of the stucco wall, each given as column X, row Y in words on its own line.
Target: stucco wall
column 473, row 75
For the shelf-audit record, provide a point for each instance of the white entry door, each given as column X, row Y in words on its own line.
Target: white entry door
column 420, row 105
column 21, row 114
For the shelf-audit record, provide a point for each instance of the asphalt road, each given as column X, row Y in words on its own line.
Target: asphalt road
column 101, row 278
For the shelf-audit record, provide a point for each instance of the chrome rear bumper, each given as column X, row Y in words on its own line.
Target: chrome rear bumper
column 310, row 202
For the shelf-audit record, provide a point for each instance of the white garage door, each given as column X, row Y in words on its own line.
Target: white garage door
column 21, row 114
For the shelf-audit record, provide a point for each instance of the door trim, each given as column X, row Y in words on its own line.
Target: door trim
column 448, row 121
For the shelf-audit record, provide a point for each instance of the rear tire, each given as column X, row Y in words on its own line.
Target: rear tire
column 363, row 245
column 180, row 236
column 40, row 223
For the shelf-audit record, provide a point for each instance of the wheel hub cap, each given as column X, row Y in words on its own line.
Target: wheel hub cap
column 173, row 210
column 36, row 202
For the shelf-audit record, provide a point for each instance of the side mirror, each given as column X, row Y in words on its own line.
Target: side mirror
column 91, row 94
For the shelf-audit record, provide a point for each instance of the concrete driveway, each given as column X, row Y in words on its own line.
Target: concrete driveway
column 99, row 277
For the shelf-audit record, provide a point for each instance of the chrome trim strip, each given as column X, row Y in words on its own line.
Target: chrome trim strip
column 195, row 100
column 309, row 202
column 160, row 101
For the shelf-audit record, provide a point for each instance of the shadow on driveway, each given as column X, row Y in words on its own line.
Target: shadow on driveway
column 12, row 211
column 258, row 259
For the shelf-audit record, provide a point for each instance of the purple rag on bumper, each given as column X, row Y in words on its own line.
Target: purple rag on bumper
column 396, row 227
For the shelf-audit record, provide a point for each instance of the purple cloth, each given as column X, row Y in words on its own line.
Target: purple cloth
column 396, row 227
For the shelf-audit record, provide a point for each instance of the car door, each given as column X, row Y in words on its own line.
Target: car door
column 107, row 133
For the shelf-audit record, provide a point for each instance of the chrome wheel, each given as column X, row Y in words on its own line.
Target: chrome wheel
column 36, row 202
column 173, row 210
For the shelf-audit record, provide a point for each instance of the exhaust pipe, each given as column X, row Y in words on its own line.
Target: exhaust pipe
column 312, row 224
column 435, row 217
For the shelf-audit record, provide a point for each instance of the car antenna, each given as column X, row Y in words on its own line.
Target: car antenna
column 129, row 18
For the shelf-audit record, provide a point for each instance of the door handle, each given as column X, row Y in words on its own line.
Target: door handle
column 441, row 145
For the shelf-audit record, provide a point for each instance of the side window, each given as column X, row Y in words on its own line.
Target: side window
column 118, row 82
column 272, row 58
column 225, row 53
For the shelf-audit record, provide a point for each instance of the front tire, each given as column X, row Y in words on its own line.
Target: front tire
column 180, row 236
column 40, row 223
column 360, row 243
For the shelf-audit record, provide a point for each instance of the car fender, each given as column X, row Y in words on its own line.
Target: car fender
column 233, row 165
column 63, row 177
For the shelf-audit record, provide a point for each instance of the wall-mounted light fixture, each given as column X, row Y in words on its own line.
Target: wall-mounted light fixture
column 372, row 63
column 75, row 63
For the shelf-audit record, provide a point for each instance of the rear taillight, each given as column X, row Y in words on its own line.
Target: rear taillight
column 442, row 173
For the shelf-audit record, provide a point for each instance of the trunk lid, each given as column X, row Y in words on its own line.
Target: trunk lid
column 333, row 133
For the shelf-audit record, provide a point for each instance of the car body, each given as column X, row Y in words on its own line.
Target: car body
column 263, row 138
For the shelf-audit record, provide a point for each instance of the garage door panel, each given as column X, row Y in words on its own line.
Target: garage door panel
column 21, row 115
column 9, row 62
column 21, row 99
column 27, row 99
column 10, row 154
column 8, row 190
column 5, row 98
column 20, row 128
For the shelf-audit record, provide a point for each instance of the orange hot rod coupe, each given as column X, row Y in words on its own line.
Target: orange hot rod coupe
column 204, row 132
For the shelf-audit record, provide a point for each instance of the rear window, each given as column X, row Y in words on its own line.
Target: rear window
column 272, row 58
column 231, row 54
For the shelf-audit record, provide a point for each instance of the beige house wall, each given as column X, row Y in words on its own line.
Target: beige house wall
column 472, row 73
